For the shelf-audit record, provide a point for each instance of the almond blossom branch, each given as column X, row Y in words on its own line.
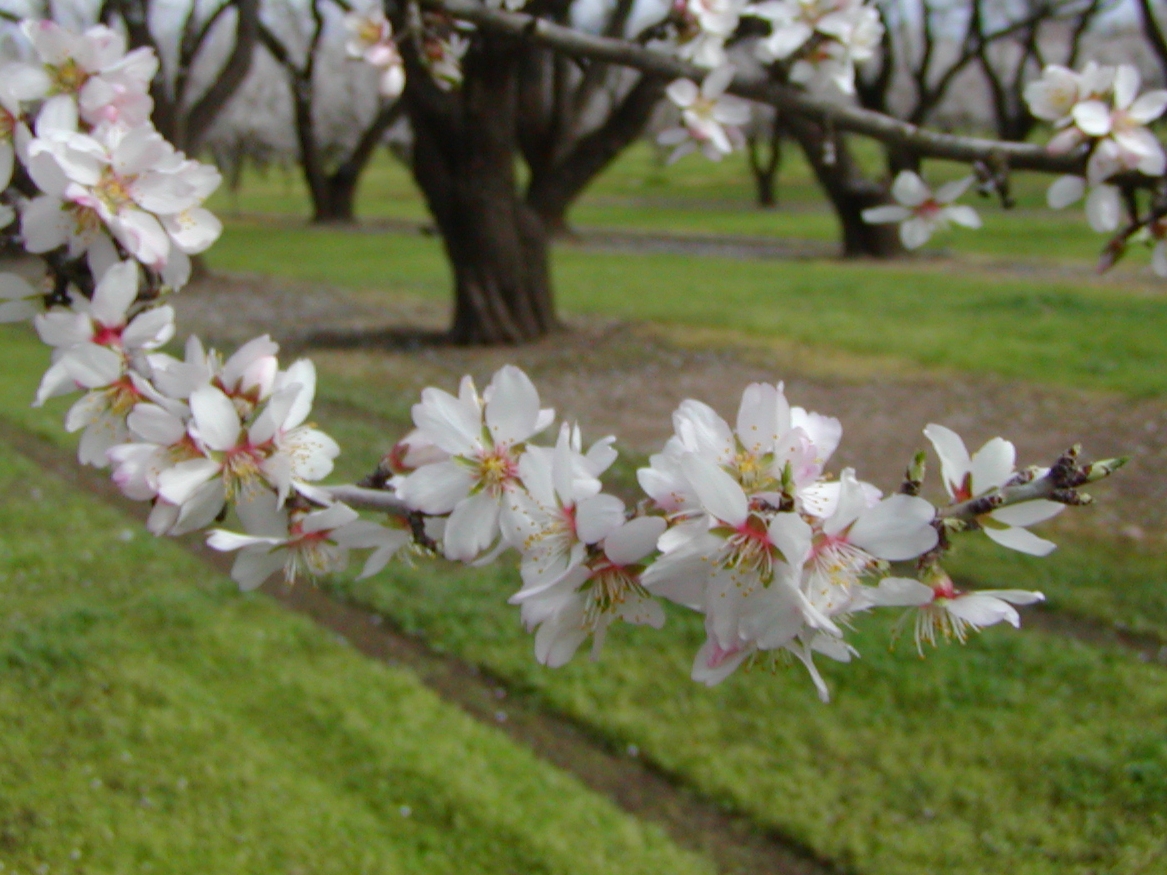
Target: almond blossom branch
column 1059, row 484
column 363, row 498
column 756, row 86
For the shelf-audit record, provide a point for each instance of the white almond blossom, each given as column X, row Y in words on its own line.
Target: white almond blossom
column 711, row 120
column 144, row 191
column 986, row 471
column 485, row 437
column 299, row 543
column 705, row 26
column 919, row 212
column 560, row 512
column 274, row 451
column 945, row 611
column 590, row 595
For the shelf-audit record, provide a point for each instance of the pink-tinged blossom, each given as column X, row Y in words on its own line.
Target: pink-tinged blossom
column 990, row 468
column 560, row 512
column 947, row 612
column 110, row 85
column 711, row 120
column 297, row 542
column 103, row 323
column 919, row 212
column 485, row 438
column 371, row 40
column 146, row 193
column 588, row 597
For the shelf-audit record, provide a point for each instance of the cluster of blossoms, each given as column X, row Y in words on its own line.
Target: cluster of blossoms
column 818, row 42
column 1100, row 107
column 106, row 181
column 822, row 40
column 741, row 523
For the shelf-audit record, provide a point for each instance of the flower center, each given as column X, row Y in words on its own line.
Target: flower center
column 496, row 468
column 114, row 191
column 748, row 549
column 67, row 78
column 7, row 125
column 610, row 587
column 241, row 471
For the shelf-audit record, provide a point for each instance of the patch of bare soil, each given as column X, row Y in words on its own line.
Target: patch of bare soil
column 626, row 379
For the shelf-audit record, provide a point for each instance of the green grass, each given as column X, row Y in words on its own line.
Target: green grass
column 1059, row 332
column 695, row 196
column 1021, row 751
column 154, row 720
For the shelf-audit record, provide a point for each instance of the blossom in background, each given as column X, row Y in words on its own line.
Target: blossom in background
column 921, row 213
column 987, row 470
column 1052, row 97
column 485, row 436
column 845, row 32
column 705, row 25
column 442, row 56
column 371, row 40
column 710, row 118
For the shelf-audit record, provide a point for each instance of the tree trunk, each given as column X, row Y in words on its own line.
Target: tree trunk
column 765, row 168
column 849, row 191
column 464, row 162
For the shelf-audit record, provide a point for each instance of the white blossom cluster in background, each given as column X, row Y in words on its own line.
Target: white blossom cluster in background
column 1101, row 108
column 741, row 522
column 371, row 40
column 819, row 41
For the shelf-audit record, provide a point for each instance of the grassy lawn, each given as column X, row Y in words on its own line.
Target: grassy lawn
column 1054, row 331
column 154, row 720
column 638, row 193
column 148, row 710
column 1023, row 750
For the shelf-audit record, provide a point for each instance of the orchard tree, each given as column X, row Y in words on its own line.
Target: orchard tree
column 332, row 161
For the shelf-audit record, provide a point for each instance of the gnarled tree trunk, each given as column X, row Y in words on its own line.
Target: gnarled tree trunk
column 464, row 162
